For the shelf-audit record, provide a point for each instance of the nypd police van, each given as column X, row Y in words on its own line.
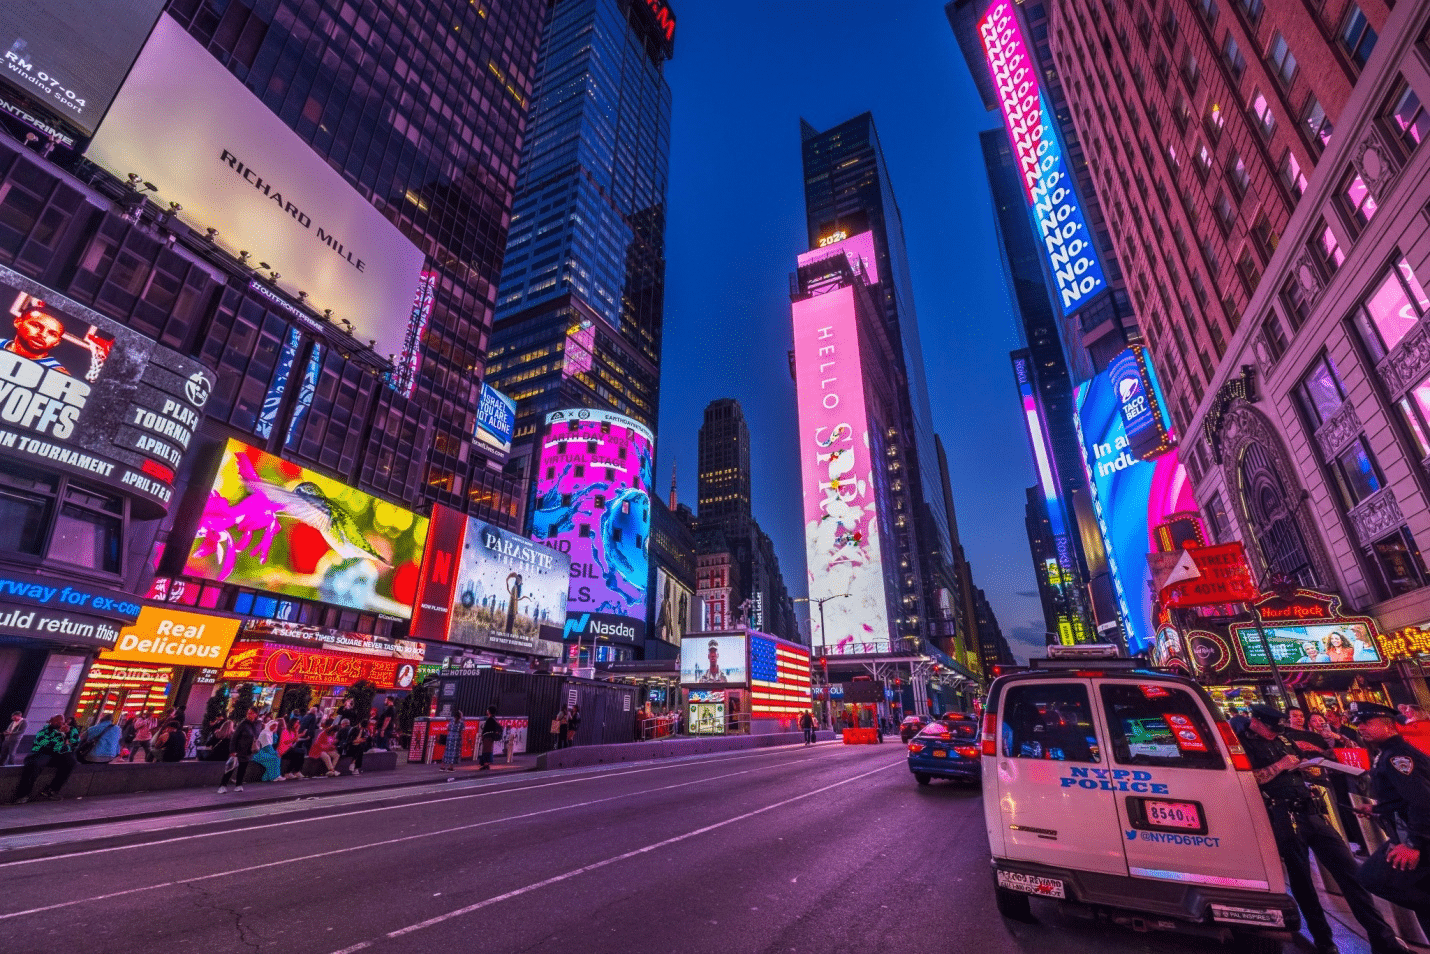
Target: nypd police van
column 1118, row 790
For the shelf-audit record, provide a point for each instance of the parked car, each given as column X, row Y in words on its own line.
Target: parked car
column 946, row 748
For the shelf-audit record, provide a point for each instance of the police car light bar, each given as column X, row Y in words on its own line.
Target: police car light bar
column 1085, row 651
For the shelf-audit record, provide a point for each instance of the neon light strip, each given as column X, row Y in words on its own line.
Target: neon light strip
column 1199, row 879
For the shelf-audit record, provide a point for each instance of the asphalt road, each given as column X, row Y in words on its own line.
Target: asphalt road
column 829, row 849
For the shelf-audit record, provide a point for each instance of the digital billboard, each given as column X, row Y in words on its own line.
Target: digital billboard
column 1140, row 401
column 1052, row 199
column 858, row 248
column 186, row 124
column 508, row 588
column 592, row 502
column 674, row 608
column 841, row 522
column 86, row 395
column 437, row 587
column 1131, row 498
column 68, row 57
column 713, row 660
column 496, row 419
column 275, row 526
column 1341, row 644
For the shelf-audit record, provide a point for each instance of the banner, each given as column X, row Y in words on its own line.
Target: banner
column 174, row 637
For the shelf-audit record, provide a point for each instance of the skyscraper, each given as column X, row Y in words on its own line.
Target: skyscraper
column 848, row 191
column 578, row 320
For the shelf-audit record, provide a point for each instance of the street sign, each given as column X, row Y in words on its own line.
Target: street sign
column 1223, row 577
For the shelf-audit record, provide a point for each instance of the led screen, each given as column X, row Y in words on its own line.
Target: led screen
column 674, row 606
column 186, row 124
column 496, row 419
column 858, row 248
column 1140, row 402
column 276, row 526
column 841, row 525
column 1130, row 498
column 1057, row 217
column 86, row 395
column 713, row 660
column 1342, row 644
column 592, row 502
column 68, row 57
column 508, row 588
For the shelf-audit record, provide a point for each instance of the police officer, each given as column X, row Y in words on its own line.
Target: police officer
column 1400, row 785
column 1299, row 824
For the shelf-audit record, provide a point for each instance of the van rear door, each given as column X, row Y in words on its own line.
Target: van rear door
column 1182, row 806
column 1051, row 771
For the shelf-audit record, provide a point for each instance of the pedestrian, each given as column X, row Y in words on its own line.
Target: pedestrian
column 806, row 722
column 491, row 732
column 1416, row 728
column 562, row 725
column 220, row 738
column 1399, row 871
column 267, row 754
column 142, row 726
column 11, row 736
column 1300, row 827
column 53, row 746
column 387, row 725
column 359, row 741
column 452, row 747
column 297, row 752
column 171, row 742
column 1339, row 781
column 325, row 748
column 1337, row 719
column 573, row 724
column 242, row 746
column 99, row 744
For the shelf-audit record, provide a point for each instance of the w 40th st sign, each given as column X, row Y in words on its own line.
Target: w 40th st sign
column 1203, row 576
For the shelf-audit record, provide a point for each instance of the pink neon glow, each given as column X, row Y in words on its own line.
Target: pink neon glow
column 1171, row 492
column 859, row 246
column 841, row 527
column 1018, row 90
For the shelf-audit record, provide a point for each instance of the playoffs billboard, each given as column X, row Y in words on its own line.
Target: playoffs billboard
column 185, row 123
column 84, row 394
column 508, row 588
column 276, row 526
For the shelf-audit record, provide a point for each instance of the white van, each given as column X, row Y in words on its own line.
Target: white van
column 1117, row 789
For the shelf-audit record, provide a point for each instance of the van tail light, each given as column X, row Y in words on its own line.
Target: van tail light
column 967, row 751
column 1239, row 760
column 915, row 747
column 990, row 733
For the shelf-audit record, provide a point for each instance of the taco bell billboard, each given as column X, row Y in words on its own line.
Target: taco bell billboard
column 841, row 521
column 592, row 502
column 1057, row 217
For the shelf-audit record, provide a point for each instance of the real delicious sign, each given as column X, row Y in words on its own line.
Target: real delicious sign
column 1058, row 219
column 172, row 636
column 185, row 123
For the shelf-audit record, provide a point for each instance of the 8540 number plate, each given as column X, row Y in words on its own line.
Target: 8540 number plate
column 1162, row 814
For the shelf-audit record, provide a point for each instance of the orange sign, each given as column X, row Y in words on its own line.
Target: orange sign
column 174, row 637
column 274, row 663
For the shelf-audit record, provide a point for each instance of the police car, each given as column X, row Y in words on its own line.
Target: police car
column 1118, row 789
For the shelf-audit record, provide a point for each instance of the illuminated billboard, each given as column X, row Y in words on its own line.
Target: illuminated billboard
column 592, row 502
column 674, row 608
column 508, row 588
column 496, row 419
column 1131, row 498
column 856, row 248
column 837, row 472
column 1140, row 401
column 185, row 123
column 279, row 527
column 713, row 660
column 1047, row 182
column 68, row 57
column 1344, row 644
column 86, row 395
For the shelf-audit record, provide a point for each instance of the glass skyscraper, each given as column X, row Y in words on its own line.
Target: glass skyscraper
column 578, row 320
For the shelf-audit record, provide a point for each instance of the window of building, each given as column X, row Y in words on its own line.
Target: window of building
column 1215, row 122
column 1208, row 10
column 1283, row 61
column 1391, row 310
column 1415, row 412
column 1291, row 175
column 1225, row 211
column 1262, row 234
column 1252, row 9
column 1274, row 337
column 89, row 530
column 1406, row 117
column 1049, row 720
column 1355, row 201
column 27, row 499
column 1319, row 392
column 1356, row 474
column 1169, row 24
column 1317, row 126
column 1261, row 115
column 1357, row 37
column 1199, row 288
column 1297, row 302
column 1163, row 68
column 1219, row 522
column 1398, row 562
column 1238, row 176
column 1181, row 110
column 1235, row 62
column 1204, row 161
column 1249, row 270
column 1191, row 72
column 1325, row 249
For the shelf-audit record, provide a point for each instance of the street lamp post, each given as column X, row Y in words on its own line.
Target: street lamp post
column 820, row 601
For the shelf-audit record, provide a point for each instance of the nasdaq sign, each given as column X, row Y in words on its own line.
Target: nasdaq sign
column 1057, row 217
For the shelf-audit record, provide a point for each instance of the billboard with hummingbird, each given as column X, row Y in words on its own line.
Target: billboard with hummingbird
column 276, row 526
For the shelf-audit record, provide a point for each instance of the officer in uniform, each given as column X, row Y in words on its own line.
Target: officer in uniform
column 1400, row 785
column 1300, row 826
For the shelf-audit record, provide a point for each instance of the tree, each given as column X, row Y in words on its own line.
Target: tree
column 242, row 701
column 360, row 695
column 417, row 703
column 217, row 706
column 296, row 698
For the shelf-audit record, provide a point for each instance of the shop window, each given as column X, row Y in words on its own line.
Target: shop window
column 1049, row 721
column 1357, row 205
column 1393, row 307
column 1319, row 392
column 27, row 499
column 1398, row 563
column 1283, row 61
column 1406, row 117
column 1357, row 38
column 1158, row 725
column 1356, row 473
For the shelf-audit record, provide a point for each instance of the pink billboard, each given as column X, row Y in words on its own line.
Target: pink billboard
column 841, row 526
column 592, row 502
column 857, row 248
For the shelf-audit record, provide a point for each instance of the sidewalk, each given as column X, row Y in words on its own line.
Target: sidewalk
column 72, row 812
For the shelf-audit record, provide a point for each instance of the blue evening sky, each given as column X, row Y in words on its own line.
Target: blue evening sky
column 743, row 75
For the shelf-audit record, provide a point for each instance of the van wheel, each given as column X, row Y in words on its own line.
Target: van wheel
column 922, row 778
column 1247, row 942
column 1014, row 905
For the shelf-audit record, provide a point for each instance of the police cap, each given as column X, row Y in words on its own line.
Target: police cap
column 1361, row 711
column 1270, row 715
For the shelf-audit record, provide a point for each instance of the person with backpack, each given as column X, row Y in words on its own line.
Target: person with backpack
column 220, row 738
column 244, row 742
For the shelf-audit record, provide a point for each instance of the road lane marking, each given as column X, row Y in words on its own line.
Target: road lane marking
column 575, row 872
column 363, row 847
column 489, row 789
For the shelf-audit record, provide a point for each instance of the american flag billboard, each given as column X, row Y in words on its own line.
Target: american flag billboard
column 779, row 678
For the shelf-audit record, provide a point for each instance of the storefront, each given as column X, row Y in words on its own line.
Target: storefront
column 754, row 681
column 123, row 690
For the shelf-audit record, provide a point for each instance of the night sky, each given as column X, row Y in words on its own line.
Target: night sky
column 744, row 74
